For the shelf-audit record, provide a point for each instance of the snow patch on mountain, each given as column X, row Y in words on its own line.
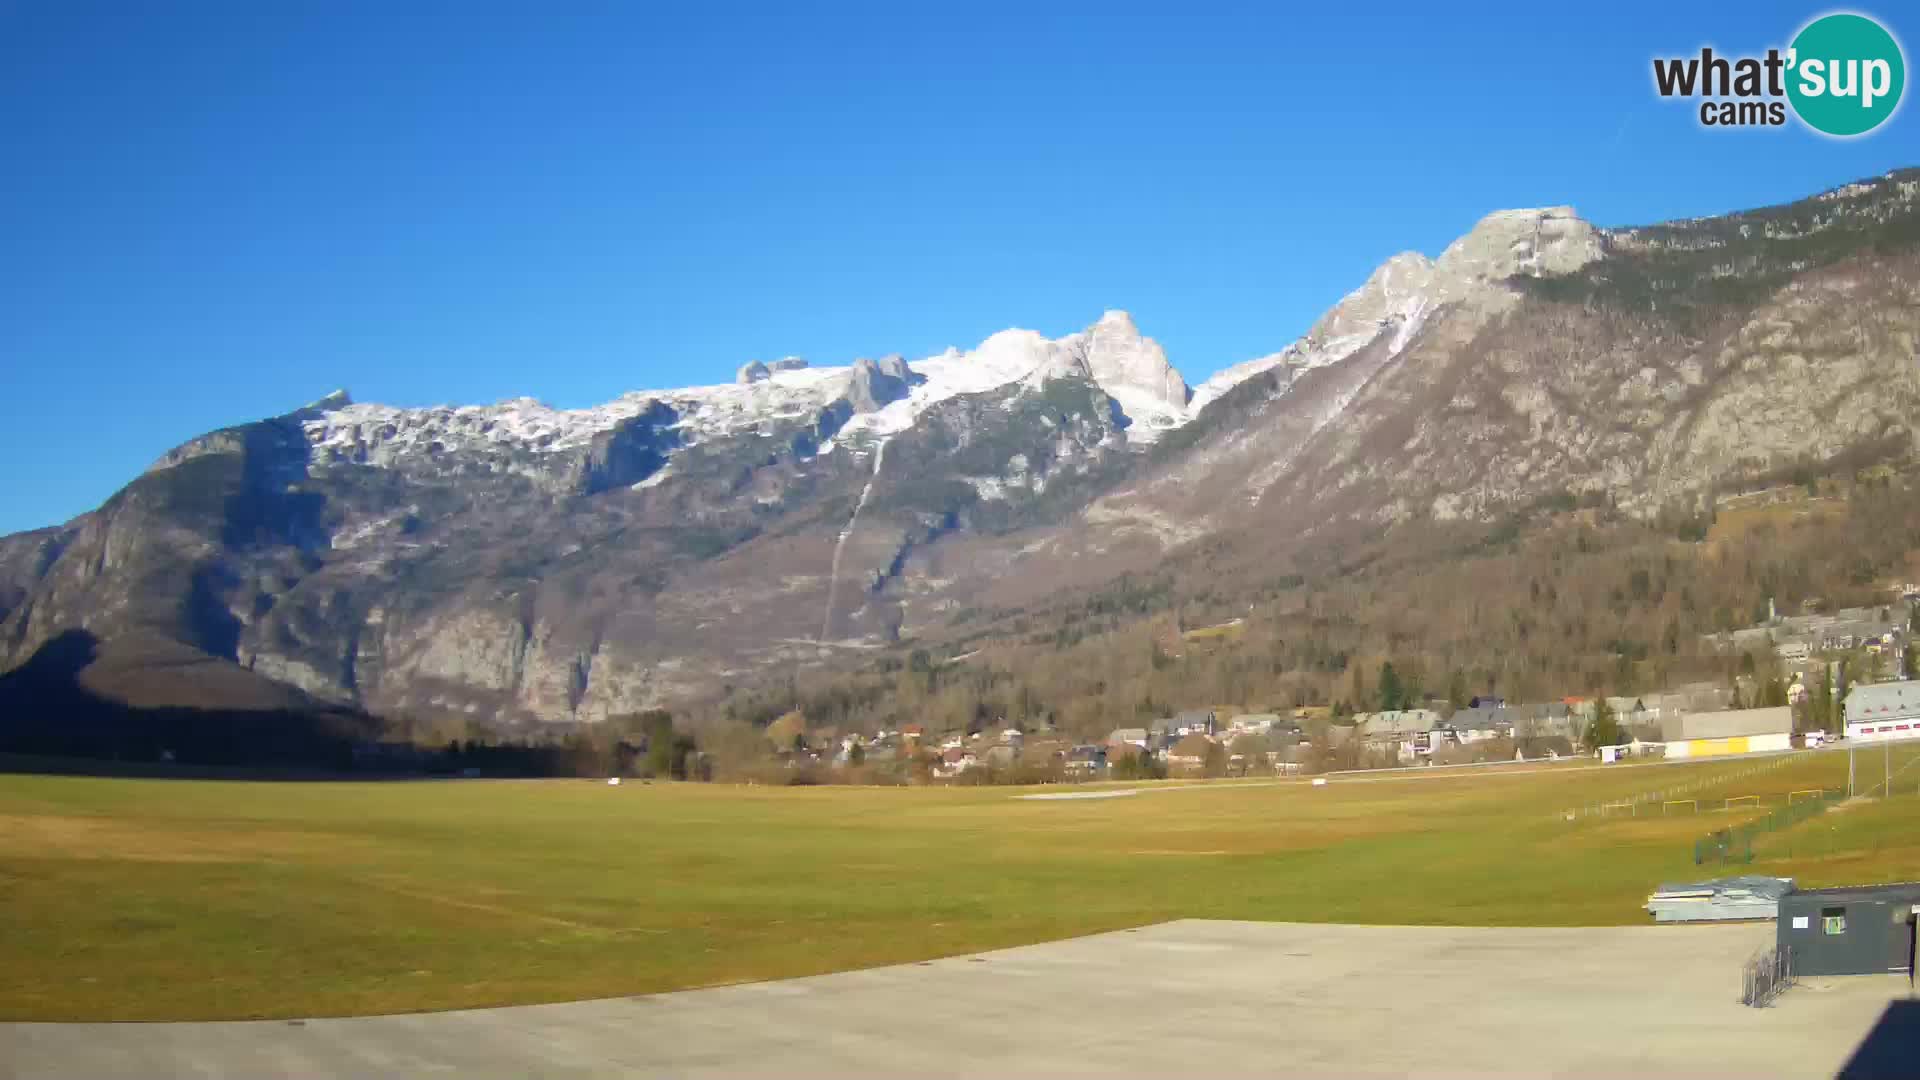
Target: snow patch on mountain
column 1395, row 294
column 1131, row 369
column 889, row 396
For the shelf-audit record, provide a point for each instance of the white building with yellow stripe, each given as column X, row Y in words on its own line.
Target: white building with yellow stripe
column 1732, row 731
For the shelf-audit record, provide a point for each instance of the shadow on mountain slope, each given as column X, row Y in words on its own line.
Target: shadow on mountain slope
column 141, row 697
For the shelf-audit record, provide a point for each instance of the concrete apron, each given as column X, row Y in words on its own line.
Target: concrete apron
column 1190, row 996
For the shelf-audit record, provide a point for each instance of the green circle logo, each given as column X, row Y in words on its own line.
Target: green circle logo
column 1846, row 74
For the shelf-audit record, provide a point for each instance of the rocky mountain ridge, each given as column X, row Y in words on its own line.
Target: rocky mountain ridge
column 516, row 563
column 877, row 398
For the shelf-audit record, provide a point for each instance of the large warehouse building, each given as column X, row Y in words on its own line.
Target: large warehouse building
column 1882, row 711
column 1735, row 731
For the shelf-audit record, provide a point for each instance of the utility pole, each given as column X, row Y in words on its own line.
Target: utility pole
column 1833, row 676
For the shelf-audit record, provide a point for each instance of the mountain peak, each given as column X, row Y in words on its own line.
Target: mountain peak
column 872, row 385
column 1535, row 241
column 333, row 402
column 1395, row 288
column 1125, row 364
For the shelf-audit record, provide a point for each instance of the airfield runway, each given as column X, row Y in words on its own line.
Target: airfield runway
column 1196, row 997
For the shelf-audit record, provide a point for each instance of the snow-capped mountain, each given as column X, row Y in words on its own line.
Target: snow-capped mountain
column 517, row 562
column 886, row 397
column 875, row 399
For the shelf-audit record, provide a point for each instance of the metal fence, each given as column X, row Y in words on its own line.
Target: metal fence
column 1767, row 974
column 1632, row 805
column 1735, row 844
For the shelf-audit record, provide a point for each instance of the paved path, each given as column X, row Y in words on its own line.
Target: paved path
column 1187, row 997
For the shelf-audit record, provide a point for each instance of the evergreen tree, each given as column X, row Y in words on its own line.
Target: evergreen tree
column 1605, row 728
column 1392, row 693
column 660, row 749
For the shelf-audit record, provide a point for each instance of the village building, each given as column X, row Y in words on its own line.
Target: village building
column 1477, row 724
column 954, row 761
column 1879, row 712
column 1194, row 722
column 1553, row 720
column 1190, row 753
column 1253, row 723
column 1687, row 698
column 1408, row 732
column 1631, row 712
column 1044, row 752
column 1085, row 762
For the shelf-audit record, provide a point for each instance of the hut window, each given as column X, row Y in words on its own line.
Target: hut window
column 1834, row 920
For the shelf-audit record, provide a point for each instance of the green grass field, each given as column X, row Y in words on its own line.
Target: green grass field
column 171, row 899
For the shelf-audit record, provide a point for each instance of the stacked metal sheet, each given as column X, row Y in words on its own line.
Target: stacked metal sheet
column 1747, row 897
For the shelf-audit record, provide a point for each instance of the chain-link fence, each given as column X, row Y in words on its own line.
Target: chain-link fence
column 1735, row 844
column 1765, row 976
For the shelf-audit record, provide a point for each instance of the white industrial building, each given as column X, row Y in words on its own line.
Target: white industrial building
column 1882, row 711
column 1735, row 731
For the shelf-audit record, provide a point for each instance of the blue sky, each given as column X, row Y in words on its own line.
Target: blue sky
column 215, row 212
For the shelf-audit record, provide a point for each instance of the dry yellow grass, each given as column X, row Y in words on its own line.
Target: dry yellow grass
column 142, row 899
